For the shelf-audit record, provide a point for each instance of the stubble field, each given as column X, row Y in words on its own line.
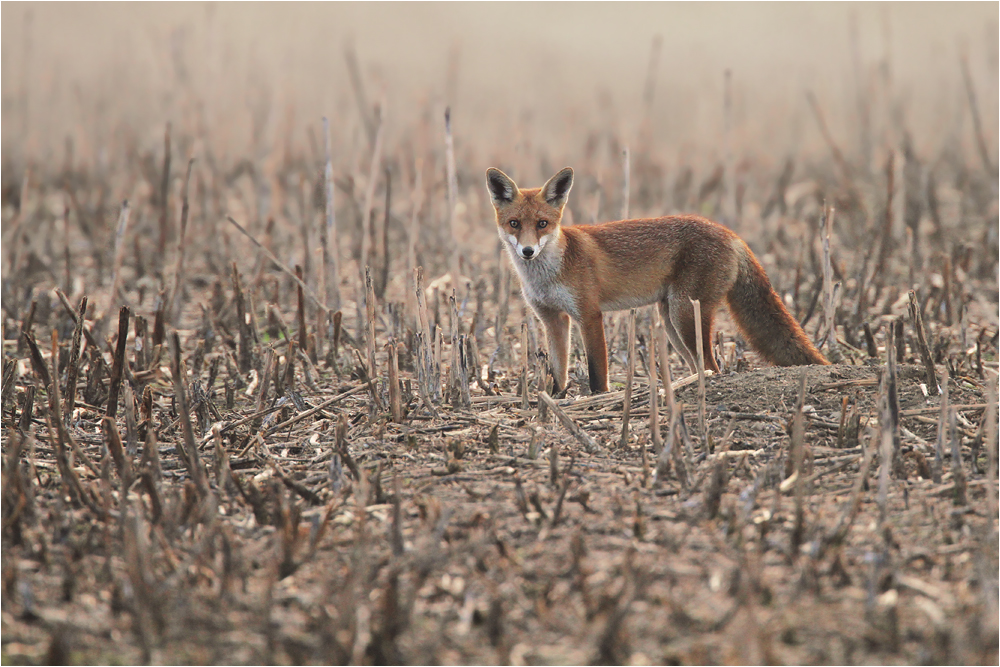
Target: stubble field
column 271, row 394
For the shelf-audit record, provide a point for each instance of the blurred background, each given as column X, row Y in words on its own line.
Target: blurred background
column 725, row 107
column 257, row 74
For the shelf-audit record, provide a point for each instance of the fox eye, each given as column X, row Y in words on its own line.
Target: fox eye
column 542, row 224
column 514, row 224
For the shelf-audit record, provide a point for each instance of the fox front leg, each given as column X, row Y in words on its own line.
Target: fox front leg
column 557, row 331
column 592, row 325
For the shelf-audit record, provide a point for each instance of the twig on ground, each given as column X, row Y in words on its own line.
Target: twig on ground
column 589, row 445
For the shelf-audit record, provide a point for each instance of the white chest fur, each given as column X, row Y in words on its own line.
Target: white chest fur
column 540, row 283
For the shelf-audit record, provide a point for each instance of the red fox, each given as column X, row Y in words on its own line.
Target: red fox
column 575, row 273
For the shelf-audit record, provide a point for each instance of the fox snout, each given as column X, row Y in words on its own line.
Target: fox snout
column 526, row 250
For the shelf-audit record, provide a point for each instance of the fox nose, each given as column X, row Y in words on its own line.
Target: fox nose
column 527, row 252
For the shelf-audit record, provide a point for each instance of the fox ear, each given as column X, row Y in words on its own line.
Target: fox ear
column 556, row 189
column 502, row 188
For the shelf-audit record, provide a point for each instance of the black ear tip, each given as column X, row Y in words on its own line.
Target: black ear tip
column 563, row 181
column 499, row 184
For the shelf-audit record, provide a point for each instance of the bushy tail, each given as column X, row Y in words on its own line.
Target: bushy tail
column 763, row 319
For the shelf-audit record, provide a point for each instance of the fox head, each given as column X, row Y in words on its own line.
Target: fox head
column 528, row 220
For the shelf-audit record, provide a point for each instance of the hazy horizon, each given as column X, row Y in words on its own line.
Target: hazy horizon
column 89, row 67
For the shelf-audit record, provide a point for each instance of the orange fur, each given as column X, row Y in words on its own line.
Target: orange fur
column 579, row 272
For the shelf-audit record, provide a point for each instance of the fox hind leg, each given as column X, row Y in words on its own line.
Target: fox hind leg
column 676, row 341
column 682, row 319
